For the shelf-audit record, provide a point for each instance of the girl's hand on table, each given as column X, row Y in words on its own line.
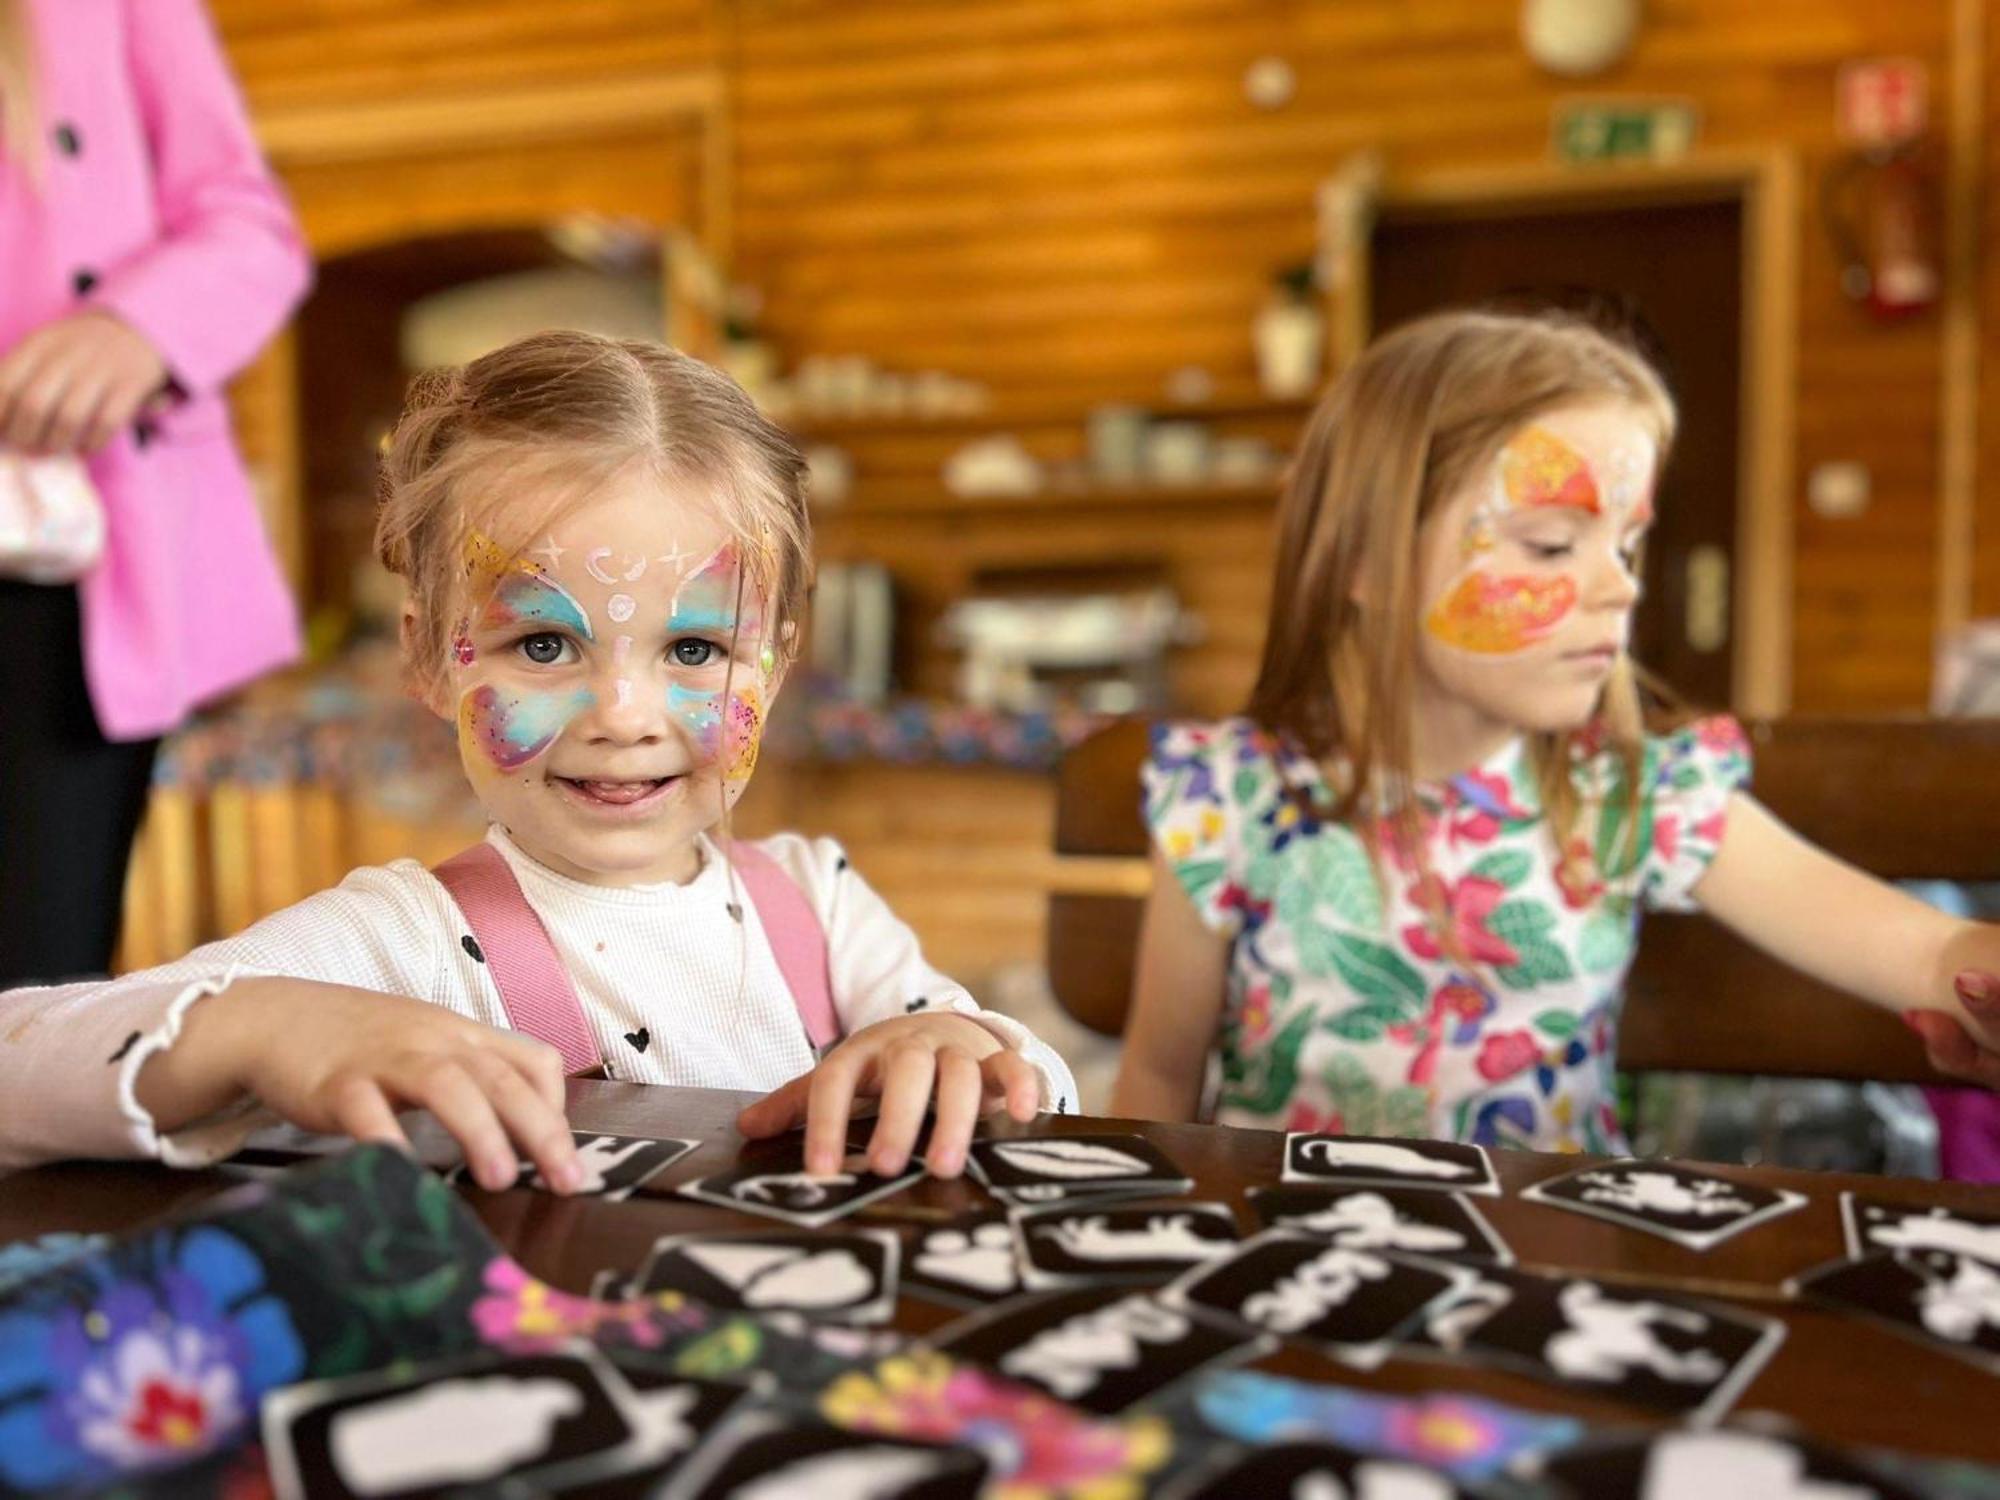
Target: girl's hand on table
column 337, row 1060
column 905, row 1062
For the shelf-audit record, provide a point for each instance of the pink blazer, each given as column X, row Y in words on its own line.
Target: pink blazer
column 155, row 203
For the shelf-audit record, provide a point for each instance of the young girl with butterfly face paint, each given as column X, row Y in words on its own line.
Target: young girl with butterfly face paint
column 1401, row 893
column 606, row 549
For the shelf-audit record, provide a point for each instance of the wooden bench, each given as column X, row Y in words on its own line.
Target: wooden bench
column 1903, row 798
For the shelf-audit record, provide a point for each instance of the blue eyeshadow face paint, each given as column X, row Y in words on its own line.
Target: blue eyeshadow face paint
column 701, row 711
column 511, row 729
column 706, row 599
column 527, row 599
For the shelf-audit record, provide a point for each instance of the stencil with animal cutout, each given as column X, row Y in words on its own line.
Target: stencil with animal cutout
column 782, row 1188
column 1446, row 1225
column 969, row 1262
column 1682, row 1356
column 1872, row 1226
column 1061, row 1168
column 1350, row 1304
column 1948, row 1300
column 1100, row 1348
column 1385, row 1162
column 1071, row 1245
column 1682, row 1465
column 1695, row 1209
column 672, row 1413
column 850, row 1276
column 774, row 1456
column 615, row 1166
column 439, row 1428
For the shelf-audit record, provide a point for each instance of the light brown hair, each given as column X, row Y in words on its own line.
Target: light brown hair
column 20, row 118
column 563, row 413
column 1408, row 425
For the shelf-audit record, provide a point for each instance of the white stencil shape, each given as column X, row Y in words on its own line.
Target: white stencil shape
column 1960, row 1305
column 1929, row 1232
column 1702, row 1465
column 602, row 1156
column 1368, row 1221
column 660, row 1418
column 1375, row 1156
column 1660, row 1192
column 1609, row 1340
column 1313, row 1289
column 795, row 1190
column 453, row 1432
column 845, row 1474
column 983, row 1261
column 1080, row 1160
column 1165, row 1236
column 1073, row 1356
column 775, row 1276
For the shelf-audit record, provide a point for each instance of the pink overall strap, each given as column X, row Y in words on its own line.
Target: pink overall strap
column 533, row 985
column 798, row 941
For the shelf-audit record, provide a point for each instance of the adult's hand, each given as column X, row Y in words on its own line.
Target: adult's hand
column 73, row 384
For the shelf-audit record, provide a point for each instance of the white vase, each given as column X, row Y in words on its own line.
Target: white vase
column 1289, row 337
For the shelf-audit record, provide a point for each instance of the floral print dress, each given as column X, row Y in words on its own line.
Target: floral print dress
column 1346, row 1009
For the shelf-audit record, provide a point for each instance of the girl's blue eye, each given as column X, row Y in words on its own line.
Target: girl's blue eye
column 693, row 653
column 545, row 649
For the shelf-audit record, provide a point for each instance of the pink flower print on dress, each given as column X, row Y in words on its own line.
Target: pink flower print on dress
column 1480, row 804
column 1461, row 911
column 1256, row 1021
column 1506, row 1053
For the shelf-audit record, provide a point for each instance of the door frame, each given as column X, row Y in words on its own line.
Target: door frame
column 1766, row 184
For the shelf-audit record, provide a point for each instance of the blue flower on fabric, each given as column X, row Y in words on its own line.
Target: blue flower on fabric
column 154, row 1369
column 1503, row 1122
column 1198, row 762
column 1288, row 819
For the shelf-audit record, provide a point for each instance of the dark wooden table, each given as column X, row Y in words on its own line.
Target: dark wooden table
column 1843, row 1380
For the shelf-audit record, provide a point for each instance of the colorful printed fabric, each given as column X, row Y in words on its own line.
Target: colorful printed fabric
column 1472, row 995
column 1039, row 1448
column 1472, row 1440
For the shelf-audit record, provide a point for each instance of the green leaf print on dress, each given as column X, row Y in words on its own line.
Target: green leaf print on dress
column 1342, row 875
column 1263, row 1081
column 1605, row 943
column 1365, row 1108
column 1528, row 927
column 1505, row 867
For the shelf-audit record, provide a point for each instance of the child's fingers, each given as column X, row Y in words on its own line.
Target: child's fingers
column 361, row 1111
column 1952, row 1050
column 778, row 1111
column 908, row 1070
column 830, row 1096
column 540, row 1063
column 541, row 1132
column 1013, row 1078
column 960, row 1091
column 449, row 1092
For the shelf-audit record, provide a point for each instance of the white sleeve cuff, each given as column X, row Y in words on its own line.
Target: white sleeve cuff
column 1058, row 1086
column 203, row 1142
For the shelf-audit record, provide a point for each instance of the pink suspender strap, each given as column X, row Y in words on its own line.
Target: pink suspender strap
column 798, row 941
column 534, row 988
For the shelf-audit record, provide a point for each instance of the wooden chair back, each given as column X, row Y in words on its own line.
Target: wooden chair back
column 1903, row 798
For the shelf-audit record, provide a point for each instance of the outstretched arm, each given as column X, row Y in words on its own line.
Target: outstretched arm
column 1851, row 931
column 1176, row 1000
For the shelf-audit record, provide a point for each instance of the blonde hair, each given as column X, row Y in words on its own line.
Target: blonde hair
column 570, row 411
column 1405, row 428
column 20, row 115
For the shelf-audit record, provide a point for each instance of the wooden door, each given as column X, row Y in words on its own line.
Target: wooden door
column 1670, row 274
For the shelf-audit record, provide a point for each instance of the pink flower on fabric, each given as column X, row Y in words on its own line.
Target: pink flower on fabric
column 1721, row 733
column 1479, row 801
column 1461, row 910
column 1709, row 829
column 1506, row 1053
column 1257, row 1014
column 522, row 1314
column 1305, row 1117
column 1667, row 838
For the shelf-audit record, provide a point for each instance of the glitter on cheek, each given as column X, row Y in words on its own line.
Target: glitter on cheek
column 1493, row 616
column 746, row 730
column 461, row 644
column 511, row 729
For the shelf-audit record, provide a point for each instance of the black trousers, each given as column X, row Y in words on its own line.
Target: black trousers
column 70, row 800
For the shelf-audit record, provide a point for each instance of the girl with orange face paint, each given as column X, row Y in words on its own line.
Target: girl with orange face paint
column 1403, row 888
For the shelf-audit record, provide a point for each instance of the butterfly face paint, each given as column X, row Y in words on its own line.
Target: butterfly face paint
column 1488, row 614
column 512, row 729
column 526, row 600
column 705, row 605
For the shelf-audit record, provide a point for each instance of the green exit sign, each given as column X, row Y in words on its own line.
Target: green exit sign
column 1623, row 130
